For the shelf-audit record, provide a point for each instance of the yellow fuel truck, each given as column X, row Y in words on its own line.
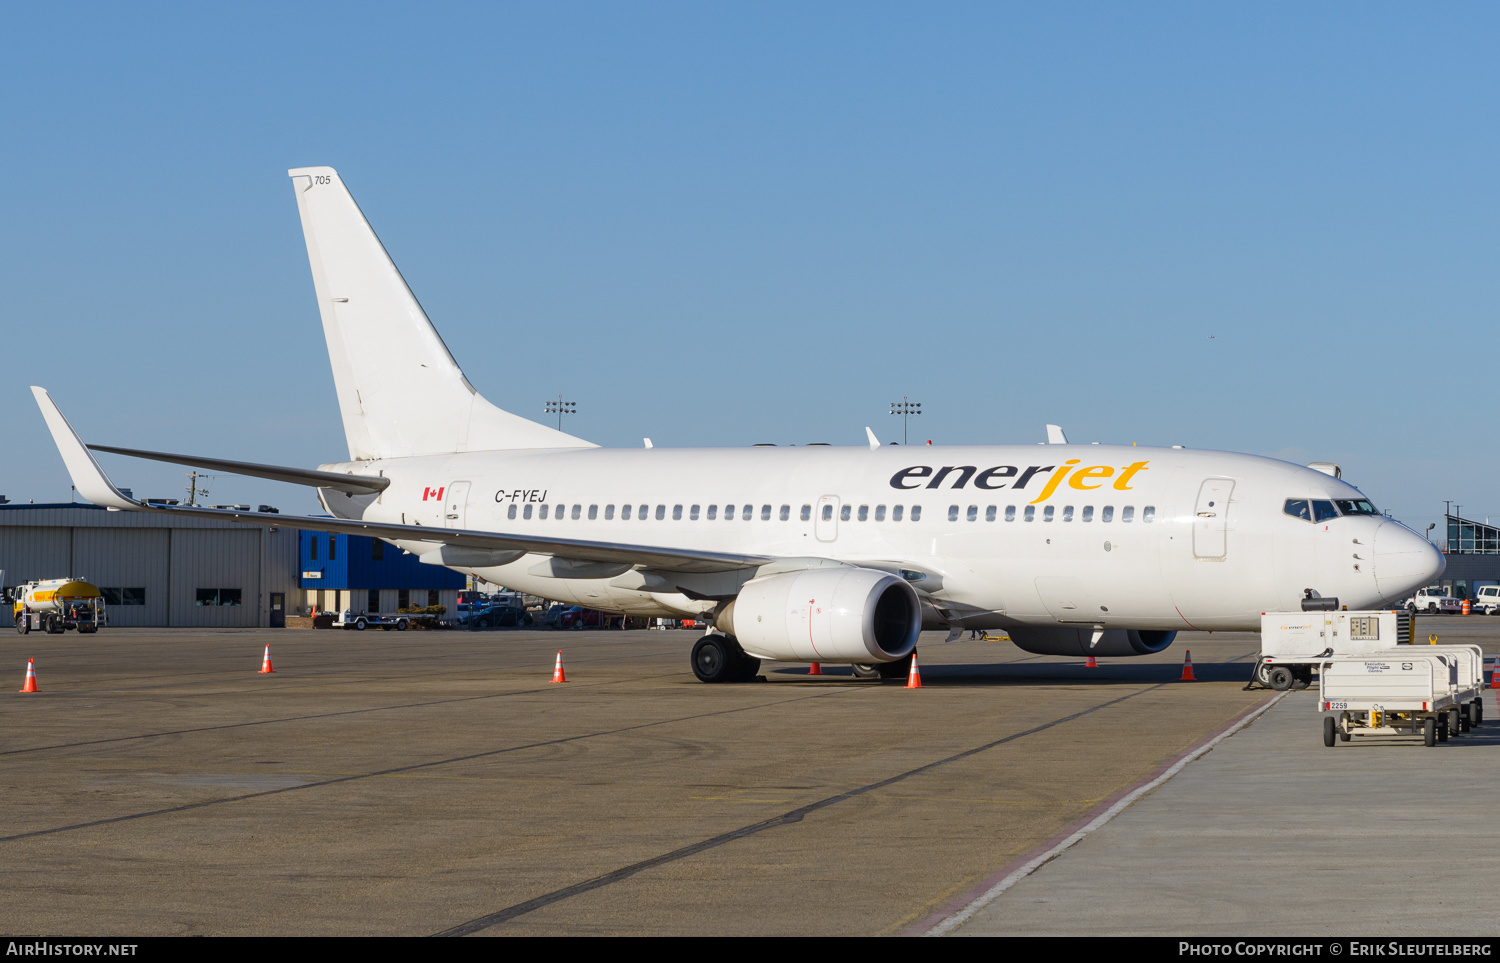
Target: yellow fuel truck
column 58, row 604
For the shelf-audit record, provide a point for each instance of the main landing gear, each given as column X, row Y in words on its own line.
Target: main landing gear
column 719, row 658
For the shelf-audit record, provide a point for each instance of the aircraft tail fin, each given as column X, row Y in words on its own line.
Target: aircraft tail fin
column 400, row 391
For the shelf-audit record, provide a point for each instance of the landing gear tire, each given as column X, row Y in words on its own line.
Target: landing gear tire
column 749, row 668
column 897, row 671
column 1429, row 732
column 866, row 670
column 1280, row 678
column 718, row 658
column 1330, row 732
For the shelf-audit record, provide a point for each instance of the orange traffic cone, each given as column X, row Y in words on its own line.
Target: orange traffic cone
column 557, row 673
column 1187, row 668
column 30, row 685
column 815, row 669
column 1092, row 663
column 265, row 665
column 914, row 678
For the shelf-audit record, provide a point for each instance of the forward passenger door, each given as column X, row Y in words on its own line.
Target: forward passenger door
column 1211, row 519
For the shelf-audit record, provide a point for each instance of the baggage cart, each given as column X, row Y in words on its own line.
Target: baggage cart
column 1407, row 692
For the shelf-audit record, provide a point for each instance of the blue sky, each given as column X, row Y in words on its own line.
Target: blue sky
column 736, row 223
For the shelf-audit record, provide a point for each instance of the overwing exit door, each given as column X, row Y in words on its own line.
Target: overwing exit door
column 826, row 521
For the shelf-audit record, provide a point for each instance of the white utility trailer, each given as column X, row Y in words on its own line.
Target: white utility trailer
column 1412, row 691
column 1294, row 644
column 349, row 621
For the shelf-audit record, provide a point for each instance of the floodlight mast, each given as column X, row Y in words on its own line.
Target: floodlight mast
column 560, row 408
column 905, row 408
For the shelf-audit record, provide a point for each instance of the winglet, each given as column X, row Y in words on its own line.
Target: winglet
column 88, row 477
column 1055, row 435
column 874, row 442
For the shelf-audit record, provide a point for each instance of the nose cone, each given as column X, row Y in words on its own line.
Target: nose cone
column 1404, row 560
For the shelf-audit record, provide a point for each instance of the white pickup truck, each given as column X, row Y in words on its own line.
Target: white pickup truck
column 1488, row 599
column 1433, row 599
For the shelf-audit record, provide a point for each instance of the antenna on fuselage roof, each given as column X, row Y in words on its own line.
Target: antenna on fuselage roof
column 1055, row 435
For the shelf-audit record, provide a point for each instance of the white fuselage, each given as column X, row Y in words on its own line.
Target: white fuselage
column 1124, row 537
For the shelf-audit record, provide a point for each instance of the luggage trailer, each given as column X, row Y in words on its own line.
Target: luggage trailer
column 1416, row 692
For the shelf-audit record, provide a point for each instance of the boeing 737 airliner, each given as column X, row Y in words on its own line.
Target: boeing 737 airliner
column 802, row 554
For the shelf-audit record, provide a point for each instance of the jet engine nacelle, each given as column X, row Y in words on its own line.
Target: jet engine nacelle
column 1067, row 640
column 825, row 615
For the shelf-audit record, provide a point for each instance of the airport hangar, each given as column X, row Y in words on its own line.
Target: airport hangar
column 158, row 570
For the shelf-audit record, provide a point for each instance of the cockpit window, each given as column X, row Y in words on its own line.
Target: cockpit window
column 1351, row 506
column 1323, row 511
column 1298, row 508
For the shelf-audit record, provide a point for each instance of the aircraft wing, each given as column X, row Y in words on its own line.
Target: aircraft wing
column 95, row 486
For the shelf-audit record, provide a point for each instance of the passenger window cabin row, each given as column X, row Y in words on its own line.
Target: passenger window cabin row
column 1050, row 513
column 643, row 512
column 860, row 513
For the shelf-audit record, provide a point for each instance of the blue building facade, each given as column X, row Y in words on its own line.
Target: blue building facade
column 366, row 575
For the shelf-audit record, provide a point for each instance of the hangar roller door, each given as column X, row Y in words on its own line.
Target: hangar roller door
column 215, row 578
column 130, row 566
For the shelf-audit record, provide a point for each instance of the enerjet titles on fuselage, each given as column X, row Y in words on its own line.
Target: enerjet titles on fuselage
column 990, row 478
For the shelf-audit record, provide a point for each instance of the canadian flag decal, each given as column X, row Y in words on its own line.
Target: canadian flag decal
column 433, row 493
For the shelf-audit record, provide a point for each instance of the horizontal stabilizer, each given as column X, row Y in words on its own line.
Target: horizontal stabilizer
column 353, row 484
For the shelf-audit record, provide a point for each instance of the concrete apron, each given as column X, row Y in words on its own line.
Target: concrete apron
column 1275, row 834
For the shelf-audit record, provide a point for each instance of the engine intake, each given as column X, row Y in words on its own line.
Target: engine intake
column 1046, row 640
column 825, row 615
